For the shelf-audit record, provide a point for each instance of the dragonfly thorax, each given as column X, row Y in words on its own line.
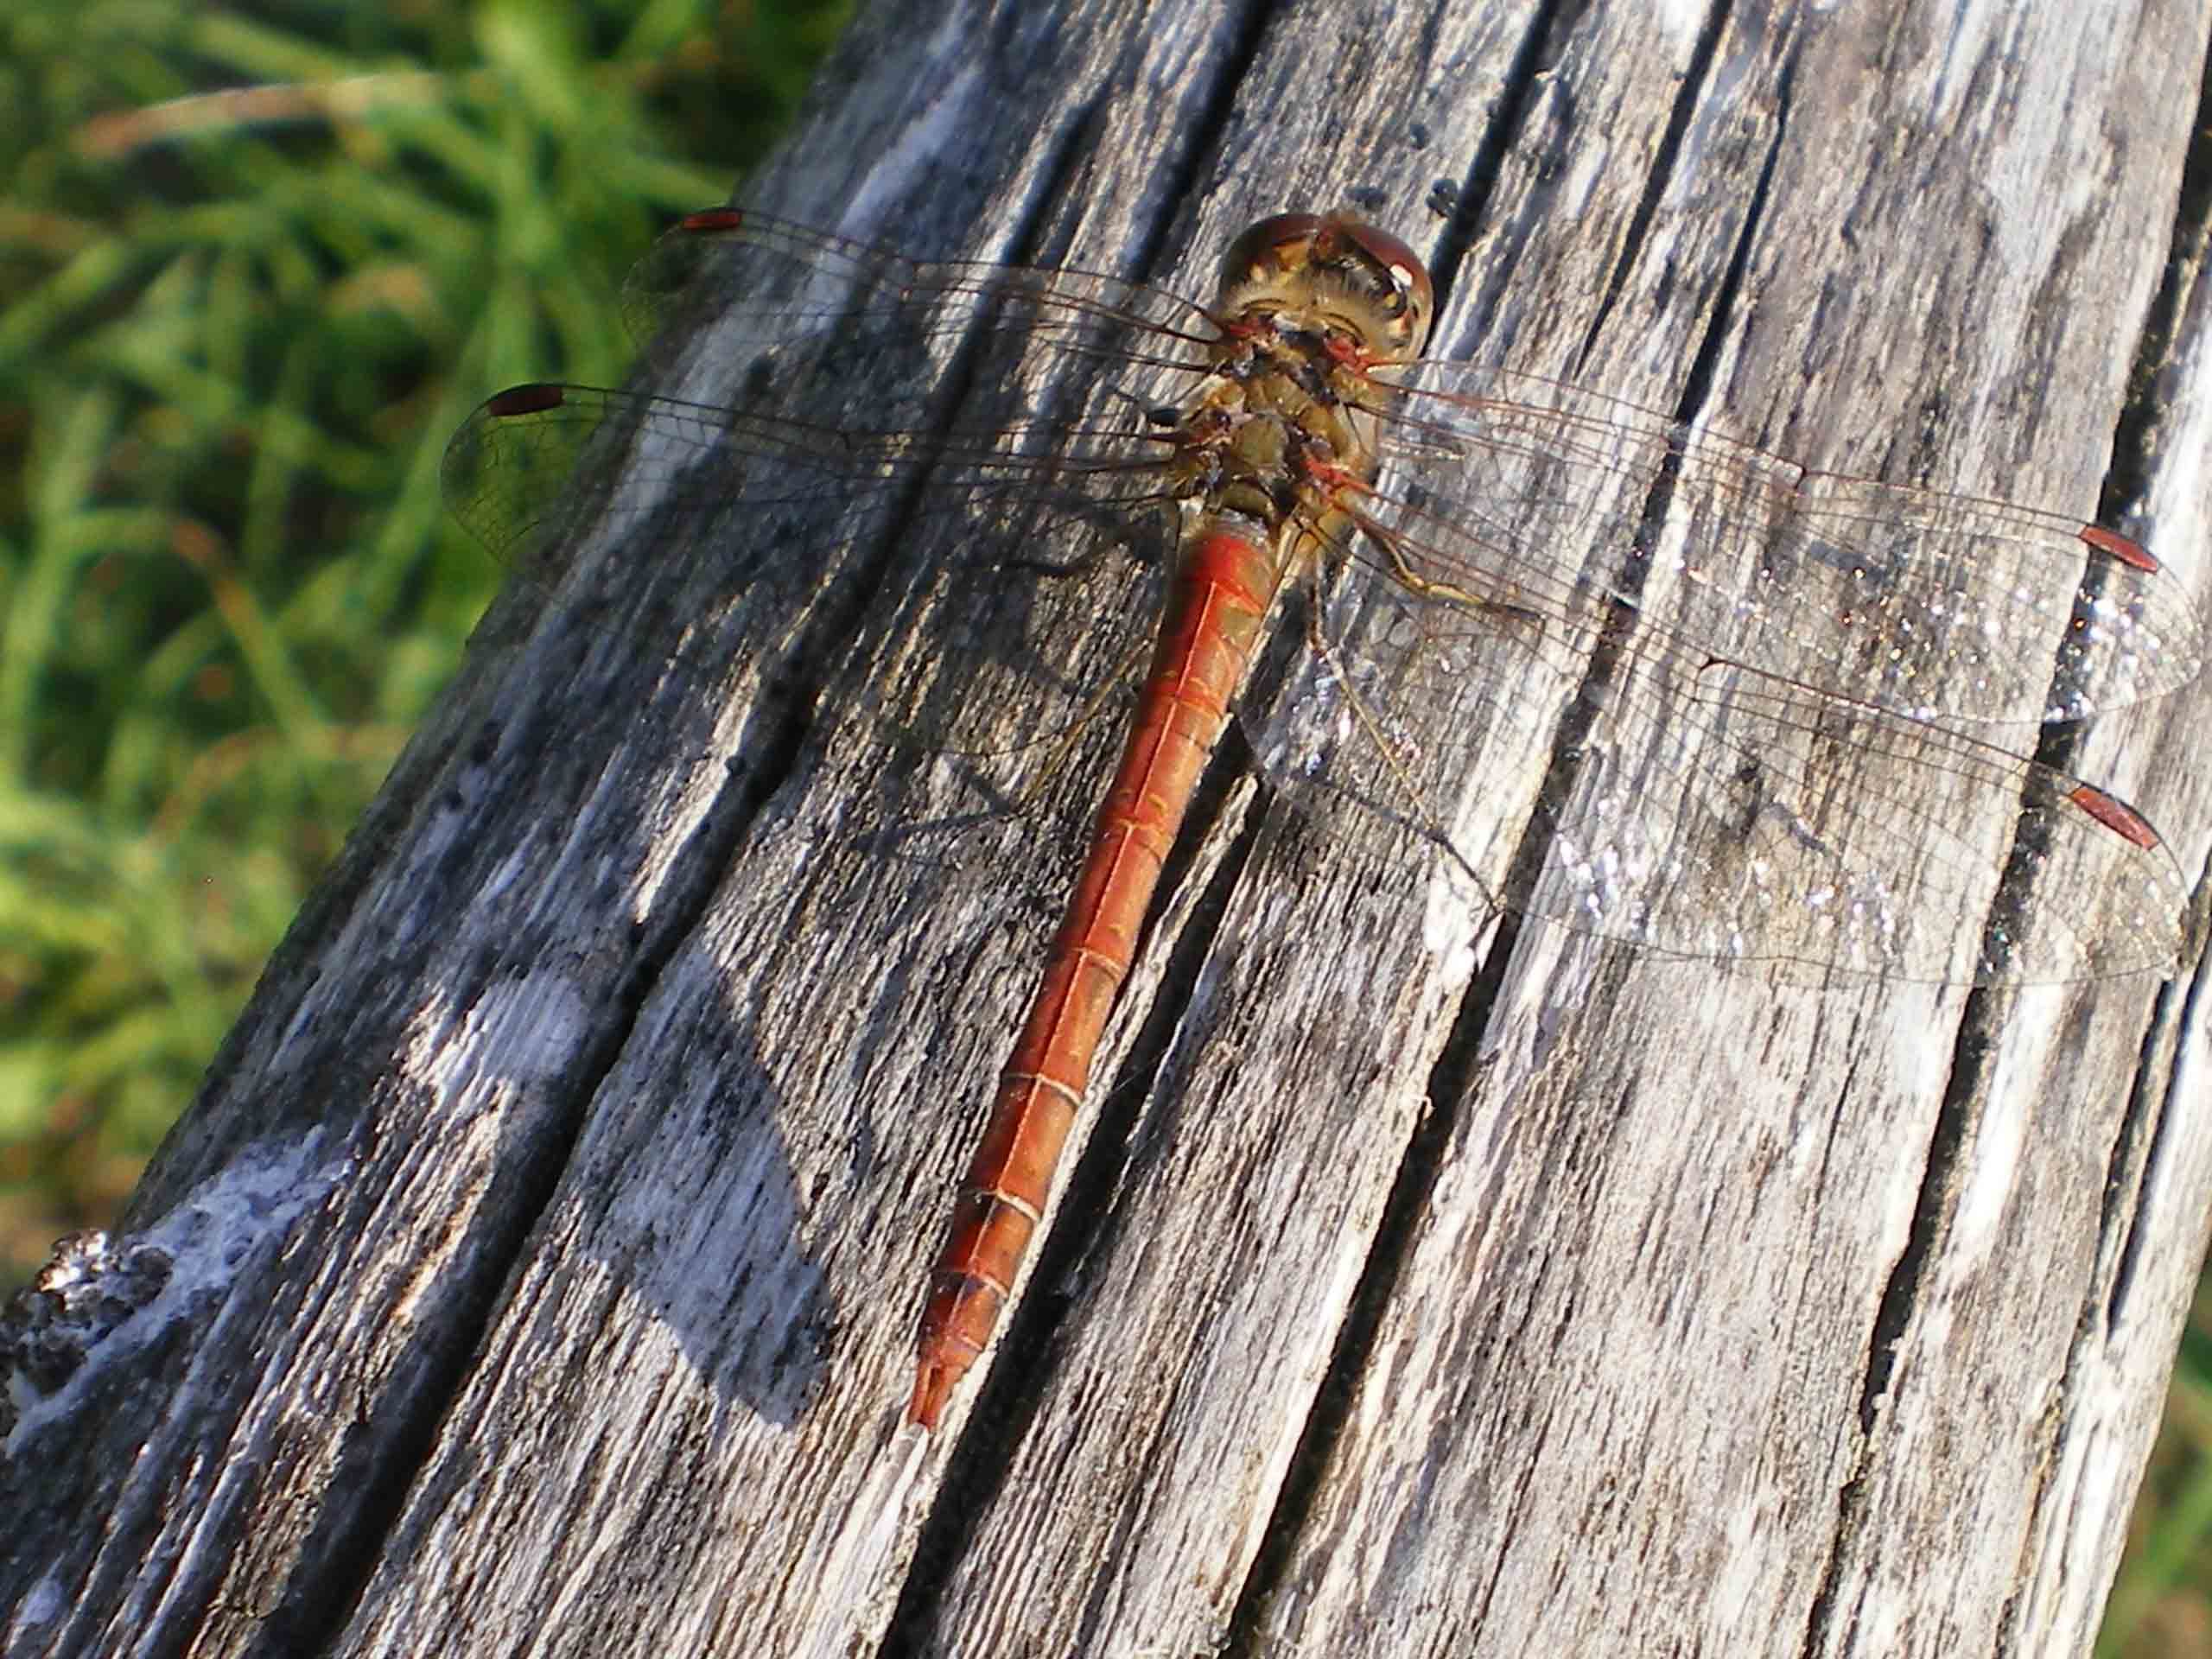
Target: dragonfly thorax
column 1253, row 451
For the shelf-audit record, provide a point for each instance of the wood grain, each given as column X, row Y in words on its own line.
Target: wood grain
column 550, row 1232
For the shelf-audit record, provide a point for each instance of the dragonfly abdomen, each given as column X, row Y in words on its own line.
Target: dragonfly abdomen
column 1223, row 593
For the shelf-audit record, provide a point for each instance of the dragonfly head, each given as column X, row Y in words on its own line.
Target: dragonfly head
column 1337, row 271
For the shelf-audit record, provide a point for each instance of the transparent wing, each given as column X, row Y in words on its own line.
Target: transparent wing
column 1024, row 595
column 1699, row 807
column 1768, row 766
column 1544, row 496
column 761, row 281
column 838, row 428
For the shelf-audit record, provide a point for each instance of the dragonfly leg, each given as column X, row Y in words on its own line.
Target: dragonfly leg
column 1422, row 815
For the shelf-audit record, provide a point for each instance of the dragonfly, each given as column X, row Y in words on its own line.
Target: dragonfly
column 1771, row 690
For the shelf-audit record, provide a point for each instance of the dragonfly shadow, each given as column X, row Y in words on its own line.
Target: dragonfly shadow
column 711, row 1245
column 673, row 1205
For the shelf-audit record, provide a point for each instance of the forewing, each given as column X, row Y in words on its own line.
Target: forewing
column 998, row 421
column 1548, row 497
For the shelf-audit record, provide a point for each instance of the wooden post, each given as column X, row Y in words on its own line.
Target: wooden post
column 538, row 1270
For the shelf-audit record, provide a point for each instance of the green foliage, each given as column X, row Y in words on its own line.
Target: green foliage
column 253, row 269
column 2161, row 1604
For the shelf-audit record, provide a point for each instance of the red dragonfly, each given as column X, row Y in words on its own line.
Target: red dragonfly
column 1757, row 680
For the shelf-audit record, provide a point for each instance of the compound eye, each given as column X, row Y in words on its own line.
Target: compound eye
column 1280, row 243
column 1334, row 266
column 1408, row 296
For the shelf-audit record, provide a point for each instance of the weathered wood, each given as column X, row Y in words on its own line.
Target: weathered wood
column 548, row 1237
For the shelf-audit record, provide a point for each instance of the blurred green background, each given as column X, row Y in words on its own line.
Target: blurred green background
column 256, row 264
